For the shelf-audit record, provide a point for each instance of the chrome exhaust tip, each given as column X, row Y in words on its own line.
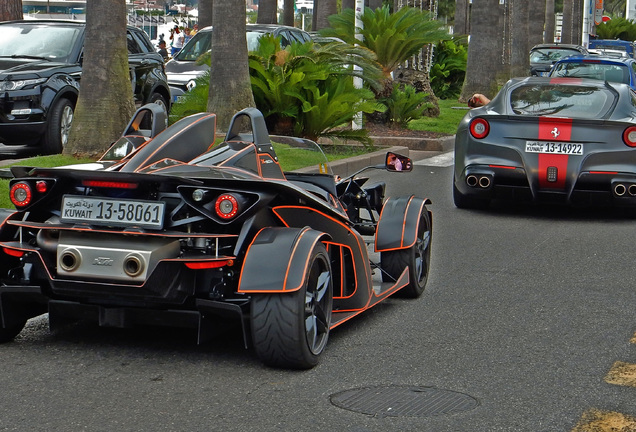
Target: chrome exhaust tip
column 484, row 181
column 619, row 189
column 631, row 190
column 70, row 260
column 471, row 180
column 134, row 265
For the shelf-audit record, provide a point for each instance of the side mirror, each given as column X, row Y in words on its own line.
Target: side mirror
column 397, row 162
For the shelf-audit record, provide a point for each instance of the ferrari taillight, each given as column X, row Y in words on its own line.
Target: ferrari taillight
column 479, row 128
column 226, row 206
column 21, row 194
column 629, row 136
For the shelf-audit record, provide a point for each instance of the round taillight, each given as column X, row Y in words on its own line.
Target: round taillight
column 226, row 206
column 629, row 136
column 41, row 186
column 479, row 128
column 20, row 194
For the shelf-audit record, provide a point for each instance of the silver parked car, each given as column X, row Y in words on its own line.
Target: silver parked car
column 182, row 70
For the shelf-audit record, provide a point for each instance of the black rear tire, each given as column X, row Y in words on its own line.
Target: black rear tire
column 58, row 127
column 291, row 330
column 417, row 258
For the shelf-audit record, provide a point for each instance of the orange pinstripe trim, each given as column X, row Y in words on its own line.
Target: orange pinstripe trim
column 356, row 235
column 176, row 135
column 342, row 264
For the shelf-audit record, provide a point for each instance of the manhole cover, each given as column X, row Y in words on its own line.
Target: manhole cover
column 403, row 401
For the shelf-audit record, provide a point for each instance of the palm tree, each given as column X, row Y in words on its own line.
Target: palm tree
column 322, row 14
column 550, row 24
column 394, row 38
column 205, row 13
column 267, row 12
column 462, row 17
column 519, row 60
column 484, row 51
column 10, row 10
column 230, row 89
column 105, row 102
column 288, row 12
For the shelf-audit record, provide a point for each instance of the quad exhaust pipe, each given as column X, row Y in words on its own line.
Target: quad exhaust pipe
column 482, row 181
column 621, row 189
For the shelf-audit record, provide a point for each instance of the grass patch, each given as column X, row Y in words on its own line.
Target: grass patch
column 37, row 161
column 451, row 114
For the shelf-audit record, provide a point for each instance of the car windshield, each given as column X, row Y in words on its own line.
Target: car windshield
column 562, row 100
column 550, row 55
column 199, row 44
column 292, row 153
column 202, row 41
column 592, row 69
column 52, row 42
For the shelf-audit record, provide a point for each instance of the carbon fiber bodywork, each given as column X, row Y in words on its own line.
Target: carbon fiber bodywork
column 230, row 227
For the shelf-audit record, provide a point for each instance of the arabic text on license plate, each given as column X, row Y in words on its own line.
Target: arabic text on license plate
column 113, row 212
column 554, row 147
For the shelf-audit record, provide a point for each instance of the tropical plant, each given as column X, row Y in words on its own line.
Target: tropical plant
column 307, row 89
column 405, row 104
column 393, row 37
column 449, row 69
column 617, row 28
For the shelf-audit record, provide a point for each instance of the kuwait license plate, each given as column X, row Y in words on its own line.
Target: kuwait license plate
column 554, row 147
column 113, row 212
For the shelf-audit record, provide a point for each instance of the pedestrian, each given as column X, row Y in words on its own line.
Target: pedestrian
column 162, row 50
column 177, row 38
column 187, row 35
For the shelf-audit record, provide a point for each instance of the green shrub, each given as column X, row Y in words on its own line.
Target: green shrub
column 405, row 104
column 448, row 69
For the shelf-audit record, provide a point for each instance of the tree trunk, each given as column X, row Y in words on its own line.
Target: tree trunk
column 519, row 59
column 484, row 66
column 327, row 8
column 536, row 24
column 230, row 88
column 288, row 13
column 577, row 22
column 205, row 13
column 567, row 26
column 462, row 17
column 375, row 4
column 348, row 4
column 105, row 104
column 10, row 10
column 550, row 22
column 267, row 12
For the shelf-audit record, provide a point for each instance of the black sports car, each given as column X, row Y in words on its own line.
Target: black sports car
column 174, row 231
column 561, row 140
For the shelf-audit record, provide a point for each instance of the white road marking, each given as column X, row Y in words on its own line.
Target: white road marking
column 441, row 160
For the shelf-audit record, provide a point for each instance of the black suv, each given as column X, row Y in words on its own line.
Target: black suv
column 40, row 70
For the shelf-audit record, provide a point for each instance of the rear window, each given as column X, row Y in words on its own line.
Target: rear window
column 562, row 100
column 594, row 70
column 551, row 55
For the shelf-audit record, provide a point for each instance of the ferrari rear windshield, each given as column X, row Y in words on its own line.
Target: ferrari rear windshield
column 562, row 100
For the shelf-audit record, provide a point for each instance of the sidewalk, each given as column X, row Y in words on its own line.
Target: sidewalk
column 415, row 148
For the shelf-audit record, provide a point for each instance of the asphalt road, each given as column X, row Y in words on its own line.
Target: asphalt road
column 525, row 312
